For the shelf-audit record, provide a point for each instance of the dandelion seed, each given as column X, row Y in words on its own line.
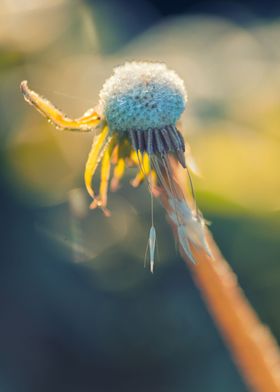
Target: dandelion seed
column 152, row 247
column 134, row 124
column 184, row 242
column 192, row 227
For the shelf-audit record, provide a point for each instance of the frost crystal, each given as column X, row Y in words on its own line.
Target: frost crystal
column 141, row 95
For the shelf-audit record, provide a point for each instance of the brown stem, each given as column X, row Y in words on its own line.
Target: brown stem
column 251, row 344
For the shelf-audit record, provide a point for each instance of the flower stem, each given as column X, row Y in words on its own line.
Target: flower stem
column 250, row 343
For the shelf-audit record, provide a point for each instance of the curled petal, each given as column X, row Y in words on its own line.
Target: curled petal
column 89, row 121
column 95, row 155
column 118, row 174
column 144, row 169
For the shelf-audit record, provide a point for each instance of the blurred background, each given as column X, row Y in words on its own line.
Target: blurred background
column 78, row 312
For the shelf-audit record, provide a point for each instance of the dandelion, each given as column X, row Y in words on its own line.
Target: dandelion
column 134, row 124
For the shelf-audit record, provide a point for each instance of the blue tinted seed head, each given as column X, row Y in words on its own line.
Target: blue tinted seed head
column 141, row 95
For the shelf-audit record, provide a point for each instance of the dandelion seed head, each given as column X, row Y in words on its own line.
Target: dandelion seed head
column 142, row 95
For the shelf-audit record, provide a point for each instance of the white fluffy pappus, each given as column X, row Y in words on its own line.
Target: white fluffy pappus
column 142, row 95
